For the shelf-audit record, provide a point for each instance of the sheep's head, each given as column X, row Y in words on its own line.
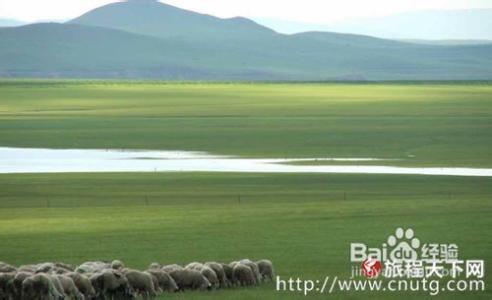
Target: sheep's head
column 211, row 276
column 117, row 265
column 123, row 290
column 170, row 285
column 206, row 285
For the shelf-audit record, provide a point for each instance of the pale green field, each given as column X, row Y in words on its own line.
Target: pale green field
column 437, row 124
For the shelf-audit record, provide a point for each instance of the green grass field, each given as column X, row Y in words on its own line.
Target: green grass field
column 441, row 125
column 304, row 223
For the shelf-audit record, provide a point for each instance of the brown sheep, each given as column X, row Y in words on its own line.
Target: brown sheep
column 219, row 271
column 7, row 288
column 228, row 273
column 231, row 266
column 67, row 267
column 157, row 286
column 45, row 267
column 141, row 282
column 48, row 267
column 193, row 265
column 206, row 271
column 40, row 286
column 243, row 275
column 267, row 271
column 17, row 282
column 69, row 288
column 6, row 268
column 210, row 275
column 190, row 280
column 170, row 268
column 57, row 284
column 27, row 268
column 110, row 283
column 166, row 282
column 254, row 268
column 83, row 284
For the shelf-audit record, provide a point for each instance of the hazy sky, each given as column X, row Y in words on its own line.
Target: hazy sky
column 313, row 11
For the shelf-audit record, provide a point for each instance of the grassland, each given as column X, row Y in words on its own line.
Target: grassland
column 303, row 222
column 440, row 124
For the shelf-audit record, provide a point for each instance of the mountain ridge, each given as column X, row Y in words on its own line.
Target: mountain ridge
column 210, row 48
column 163, row 20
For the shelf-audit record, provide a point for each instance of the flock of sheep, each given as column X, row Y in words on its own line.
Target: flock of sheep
column 103, row 280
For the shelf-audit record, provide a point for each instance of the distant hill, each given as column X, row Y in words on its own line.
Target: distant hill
column 451, row 25
column 162, row 20
column 289, row 26
column 65, row 50
column 146, row 39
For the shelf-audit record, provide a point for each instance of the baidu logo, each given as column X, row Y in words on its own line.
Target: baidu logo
column 402, row 255
column 400, row 246
column 404, row 245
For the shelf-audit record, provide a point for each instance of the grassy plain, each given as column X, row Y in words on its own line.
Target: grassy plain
column 303, row 222
column 426, row 124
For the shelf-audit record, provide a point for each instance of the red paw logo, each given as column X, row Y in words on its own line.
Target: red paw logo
column 371, row 267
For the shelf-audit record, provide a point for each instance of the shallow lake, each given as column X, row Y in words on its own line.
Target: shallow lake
column 32, row 160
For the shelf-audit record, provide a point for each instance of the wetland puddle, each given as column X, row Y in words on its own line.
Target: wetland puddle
column 32, row 160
